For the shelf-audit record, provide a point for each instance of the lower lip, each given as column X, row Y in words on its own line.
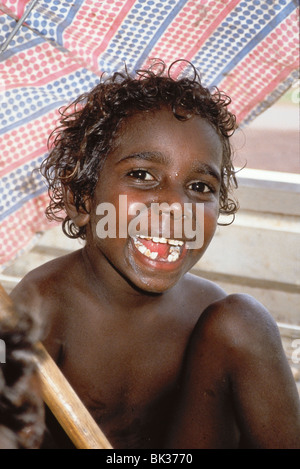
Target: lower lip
column 159, row 265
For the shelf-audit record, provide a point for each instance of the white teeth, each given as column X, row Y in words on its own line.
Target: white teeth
column 141, row 248
column 175, row 249
column 147, row 253
column 159, row 240
column 173, row 257
column 156, row 239
column 153, row 255
column 175, row 242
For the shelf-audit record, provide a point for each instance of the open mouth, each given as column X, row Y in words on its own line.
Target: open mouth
column 159, row 249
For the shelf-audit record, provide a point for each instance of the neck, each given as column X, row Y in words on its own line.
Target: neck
column 109, row 285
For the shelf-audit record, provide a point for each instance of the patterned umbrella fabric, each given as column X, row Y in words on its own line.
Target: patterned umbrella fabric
column 59, row 49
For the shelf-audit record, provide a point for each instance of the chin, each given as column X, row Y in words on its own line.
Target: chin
column 154, row 283
column 153, row 288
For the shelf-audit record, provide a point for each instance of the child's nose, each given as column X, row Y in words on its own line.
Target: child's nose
column 173, row 195
column 174, row 209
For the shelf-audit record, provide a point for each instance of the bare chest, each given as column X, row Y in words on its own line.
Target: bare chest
column 127, row 379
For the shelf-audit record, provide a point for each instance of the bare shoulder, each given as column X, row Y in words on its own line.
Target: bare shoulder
column 242, row 314
column 49, row 278
column 43, row 291
column 241, row 325
column 201, row 292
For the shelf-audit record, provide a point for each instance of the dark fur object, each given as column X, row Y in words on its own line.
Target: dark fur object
column 21, row 405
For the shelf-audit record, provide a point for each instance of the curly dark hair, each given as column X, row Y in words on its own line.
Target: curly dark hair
column 89, row 126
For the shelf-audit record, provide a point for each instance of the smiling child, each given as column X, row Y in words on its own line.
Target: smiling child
column 160, row 357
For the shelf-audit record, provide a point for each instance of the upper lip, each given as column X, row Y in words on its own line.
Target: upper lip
column 161, row 239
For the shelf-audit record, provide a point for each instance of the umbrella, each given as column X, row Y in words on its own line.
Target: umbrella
column 52, row 51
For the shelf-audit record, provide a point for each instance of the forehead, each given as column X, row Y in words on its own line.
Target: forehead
column 161, row 131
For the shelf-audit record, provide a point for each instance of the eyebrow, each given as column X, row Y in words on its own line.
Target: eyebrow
column 155, row 156
column 158, row 157
column 204, row 168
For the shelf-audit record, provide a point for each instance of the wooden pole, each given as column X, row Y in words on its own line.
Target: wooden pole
column 58, row 394
column 20, row 22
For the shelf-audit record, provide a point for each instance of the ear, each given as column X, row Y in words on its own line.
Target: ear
column 79, row 217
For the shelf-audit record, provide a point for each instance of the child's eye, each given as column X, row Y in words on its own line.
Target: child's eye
column 141, row 174
column 199, row 186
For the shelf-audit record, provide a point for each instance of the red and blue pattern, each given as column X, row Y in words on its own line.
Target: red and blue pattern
column 249, row 49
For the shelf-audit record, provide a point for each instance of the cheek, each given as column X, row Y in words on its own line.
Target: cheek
column 211, row 213
column 133, row 217
column 126, row 211
column 205, row 234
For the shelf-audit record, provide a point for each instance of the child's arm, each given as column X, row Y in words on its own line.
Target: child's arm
column 238, row 388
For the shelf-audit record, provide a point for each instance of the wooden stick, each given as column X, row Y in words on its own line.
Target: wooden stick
column 66, row 405
column 59, row 395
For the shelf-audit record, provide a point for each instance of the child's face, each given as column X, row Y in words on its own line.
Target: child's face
column 157, row 159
